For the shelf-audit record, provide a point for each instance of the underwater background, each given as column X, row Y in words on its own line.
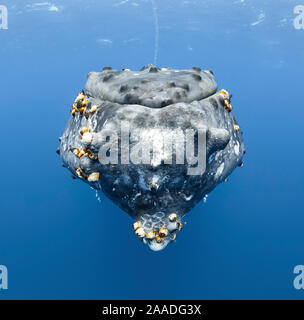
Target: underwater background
column 59, row 241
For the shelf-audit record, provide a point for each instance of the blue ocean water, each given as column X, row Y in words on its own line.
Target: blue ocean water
column 59, row 242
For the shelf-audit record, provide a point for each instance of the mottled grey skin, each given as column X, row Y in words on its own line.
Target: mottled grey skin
column 152, row 98
column 150, row 87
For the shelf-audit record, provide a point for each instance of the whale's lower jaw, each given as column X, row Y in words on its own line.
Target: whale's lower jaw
column 156, row 193
column 158, row 230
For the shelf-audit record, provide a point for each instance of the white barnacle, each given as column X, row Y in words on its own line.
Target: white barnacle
column 84, row 130
column 180, row 225
column 236, row 127
column 172, row 226
column 81, row 154
column 79, row 172
column 140, row 232
column 94, row 177
column 163, row 232
column 87, row 138
column 173, row 217
column 150, row 235
column 224, row 92
column 158, row 239
column 136, row 225
column 75, row 151
column 84, row 103
column 79, row 97
column 93, row 108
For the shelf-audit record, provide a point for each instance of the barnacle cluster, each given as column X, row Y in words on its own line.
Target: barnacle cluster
column 158, row 234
